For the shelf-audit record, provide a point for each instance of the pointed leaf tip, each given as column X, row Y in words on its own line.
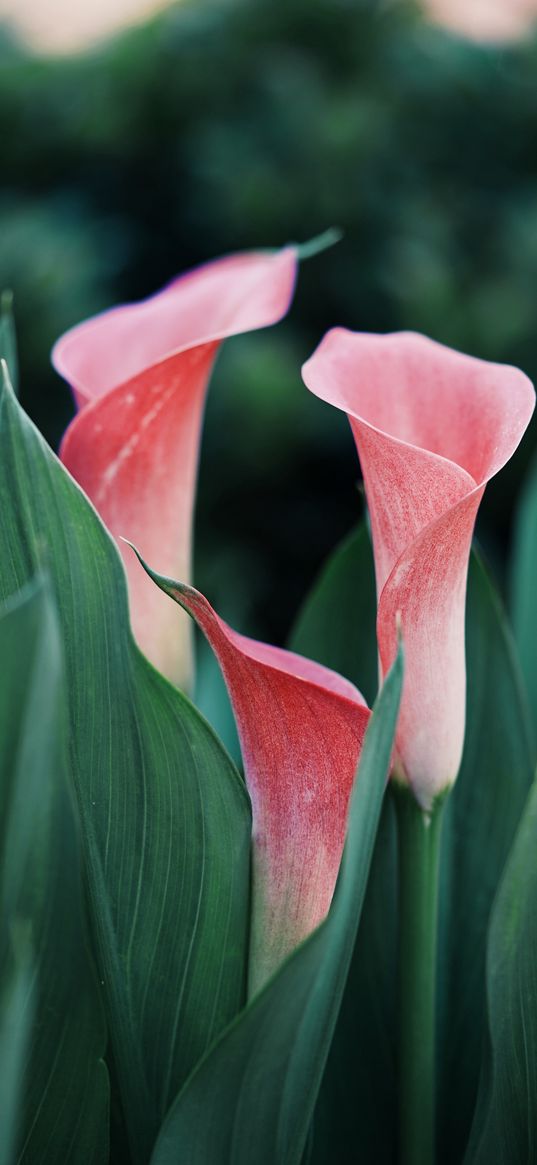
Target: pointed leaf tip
column 6, row 383
column 170, row 586
column 318, row 244
column 8, row 340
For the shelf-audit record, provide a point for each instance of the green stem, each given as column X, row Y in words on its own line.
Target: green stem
column 419, row 850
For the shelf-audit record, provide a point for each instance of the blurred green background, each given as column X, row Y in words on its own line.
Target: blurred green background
column 246, row 123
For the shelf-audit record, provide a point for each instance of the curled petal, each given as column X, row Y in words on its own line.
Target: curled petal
column 431, row 426
column 301, row 728
column 140, row 375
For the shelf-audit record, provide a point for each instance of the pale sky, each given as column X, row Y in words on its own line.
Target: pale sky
column 67, row 25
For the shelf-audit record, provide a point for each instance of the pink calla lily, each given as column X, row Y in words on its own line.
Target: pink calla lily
column 139, row 374
column 301, row 728
column 431, row 426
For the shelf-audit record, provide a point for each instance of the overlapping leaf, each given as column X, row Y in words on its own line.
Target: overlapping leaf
column 54, row 1090
column 481, row 819
column 16, row 1019
column 357, row 1099
column 8, row 339
column 336, row 625
column 250, row 1102
column 164, row 815
column 505, row 1127
column 523, row 589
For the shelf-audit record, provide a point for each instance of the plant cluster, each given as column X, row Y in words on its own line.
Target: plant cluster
column 332, row 955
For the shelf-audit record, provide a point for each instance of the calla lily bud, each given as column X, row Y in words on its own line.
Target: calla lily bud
column 139, row 374
column 431, row 426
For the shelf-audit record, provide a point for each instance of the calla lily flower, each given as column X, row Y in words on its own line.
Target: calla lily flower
column 301, row 729
column 139, row 374
column 431, row 426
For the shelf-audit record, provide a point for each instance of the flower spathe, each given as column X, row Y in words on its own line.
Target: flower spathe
column 301, row 728
column 139, row 374
column 431, row 426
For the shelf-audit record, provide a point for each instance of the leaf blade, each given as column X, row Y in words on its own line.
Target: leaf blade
column 164, row 815
column 58, row 1034
column 258, row 1086
column 481, row 819
column 523, row 575
column 336, row 625
column 504, row 1128
column 480, row 822
column 8, row 338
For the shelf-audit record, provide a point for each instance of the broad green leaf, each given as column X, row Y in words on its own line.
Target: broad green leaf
column 17, row 1008
column 54, row 1092
column 251, row 1100
column 505, row 1126
column 336, row 625
column 357, row 1098
column 357, row 1102
column 481, row 818
column 524, row 588
column 212, row 700
column 8, row 338
column 164, row 815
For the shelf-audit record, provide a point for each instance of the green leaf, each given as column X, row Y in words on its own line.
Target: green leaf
column 54, row 1094
column 211, row 697
column 164, row 814
column 8, row 339
column 481, row 818
column 523, row 588
column 320, row 243
column 358, row 1095
column 505, row 1127
column 357, row 1102
column 336, row 625
column 251, row 1100
column 17, row 1006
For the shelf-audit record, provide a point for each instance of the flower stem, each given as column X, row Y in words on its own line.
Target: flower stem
column 419, row 850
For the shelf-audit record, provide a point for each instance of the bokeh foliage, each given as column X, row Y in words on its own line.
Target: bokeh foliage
column 236, row 123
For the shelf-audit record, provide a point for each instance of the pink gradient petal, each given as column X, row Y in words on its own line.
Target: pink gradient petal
column 301, row 728
column 140, row 375
column 431, row 426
